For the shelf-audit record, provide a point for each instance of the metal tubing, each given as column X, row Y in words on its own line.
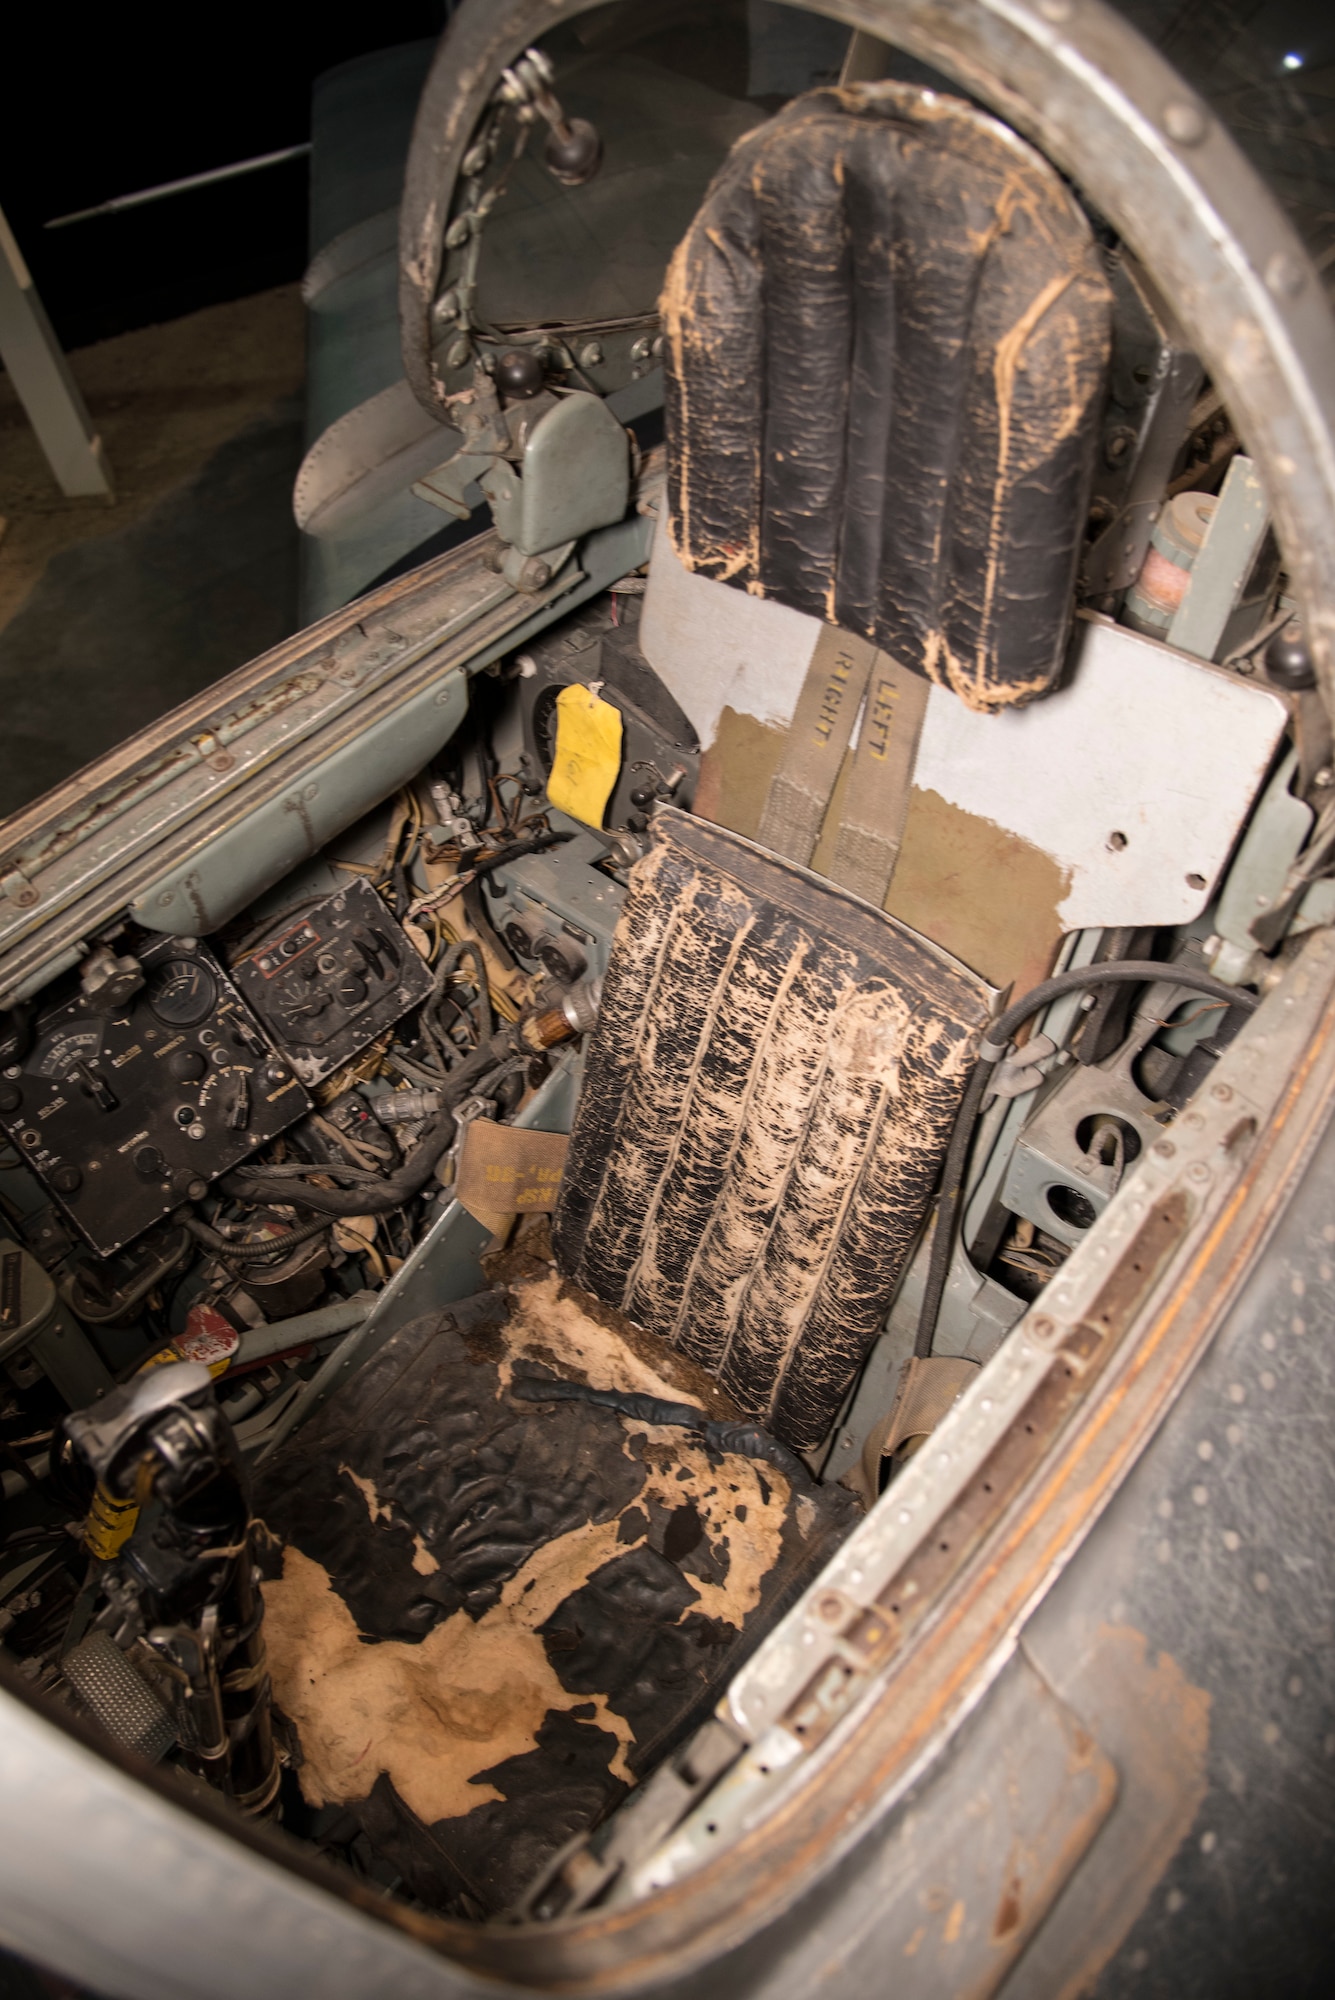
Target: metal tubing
column 281, row 1334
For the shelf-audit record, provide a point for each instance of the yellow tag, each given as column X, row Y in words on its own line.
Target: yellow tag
column 588, row 755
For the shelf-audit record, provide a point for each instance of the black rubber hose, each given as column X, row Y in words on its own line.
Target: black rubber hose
column 467, row 948
column 1124, row 972
column 271, row 1250
column 748, row 1440
column 392, row 1190
column 529, row 843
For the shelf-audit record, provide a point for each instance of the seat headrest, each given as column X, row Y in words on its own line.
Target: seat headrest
column 886, row 341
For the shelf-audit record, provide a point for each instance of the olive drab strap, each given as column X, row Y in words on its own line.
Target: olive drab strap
column 821, row 729
column 876, row 804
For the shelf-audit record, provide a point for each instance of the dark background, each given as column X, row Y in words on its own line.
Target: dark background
column 104, row 101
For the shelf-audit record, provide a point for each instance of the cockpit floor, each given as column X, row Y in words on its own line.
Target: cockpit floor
column 488, row 1618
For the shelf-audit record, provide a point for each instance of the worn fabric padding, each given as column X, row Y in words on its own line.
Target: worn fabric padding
column 887, row 335
column 427, row 1494
column 767, row 1100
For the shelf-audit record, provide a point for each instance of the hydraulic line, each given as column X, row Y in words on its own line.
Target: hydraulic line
column 268, row 1251
column 377, row 1196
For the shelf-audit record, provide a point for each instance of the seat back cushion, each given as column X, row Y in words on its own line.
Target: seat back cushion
column 886, row 343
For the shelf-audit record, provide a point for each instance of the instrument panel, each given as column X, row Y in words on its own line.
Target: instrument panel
column 124, row 1114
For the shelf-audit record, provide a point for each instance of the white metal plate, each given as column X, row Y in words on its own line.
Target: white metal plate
column 1136, row 777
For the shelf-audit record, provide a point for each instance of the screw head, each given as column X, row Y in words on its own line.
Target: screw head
column 1164, row 1148
column 1221, row 1093
column 1284, row 275
column 1185, row 123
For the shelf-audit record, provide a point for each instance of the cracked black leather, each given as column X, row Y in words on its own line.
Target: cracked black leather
column 483, row 1480
column 886, row 342
column 767, row 1100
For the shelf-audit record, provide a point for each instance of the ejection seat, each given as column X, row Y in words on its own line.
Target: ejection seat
column 886, row 338
column 492, row 1607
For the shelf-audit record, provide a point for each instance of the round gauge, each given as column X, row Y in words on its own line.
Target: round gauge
column 183, row 993
column 350, row 991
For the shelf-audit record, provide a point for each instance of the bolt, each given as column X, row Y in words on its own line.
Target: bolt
column 1186, row 124
column 591, row 355
column 1042, row 1327
column 534, row 574
column 222, row 760
column 26, row 898
column 458, row 351
column 1164, row 1148
column 1324, row 778
column 1285, row 275
column 1221, row 1093
column 830, row 1608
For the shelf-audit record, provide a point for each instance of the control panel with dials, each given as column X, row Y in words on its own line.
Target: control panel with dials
column 122, row 1114
column 330, row 979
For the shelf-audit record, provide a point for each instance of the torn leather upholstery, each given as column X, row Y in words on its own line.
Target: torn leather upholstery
column 487, row 1618
column 887, row 335
column 767, row 1100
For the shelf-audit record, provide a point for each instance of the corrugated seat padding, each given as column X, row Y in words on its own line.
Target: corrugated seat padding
column 886, row 341
column 766, row 1104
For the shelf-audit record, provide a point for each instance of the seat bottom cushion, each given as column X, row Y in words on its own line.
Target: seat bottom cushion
column 488, row 1618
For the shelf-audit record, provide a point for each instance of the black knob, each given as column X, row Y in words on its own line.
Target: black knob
column 573, row 156
column 1288, row 662
column 149, row 1163
column 11, row 1097
column 519, row 373
column 187, row 1066
column 67, row 1180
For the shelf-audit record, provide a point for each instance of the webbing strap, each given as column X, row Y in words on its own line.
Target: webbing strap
column 876, row 804
column 827, row 708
